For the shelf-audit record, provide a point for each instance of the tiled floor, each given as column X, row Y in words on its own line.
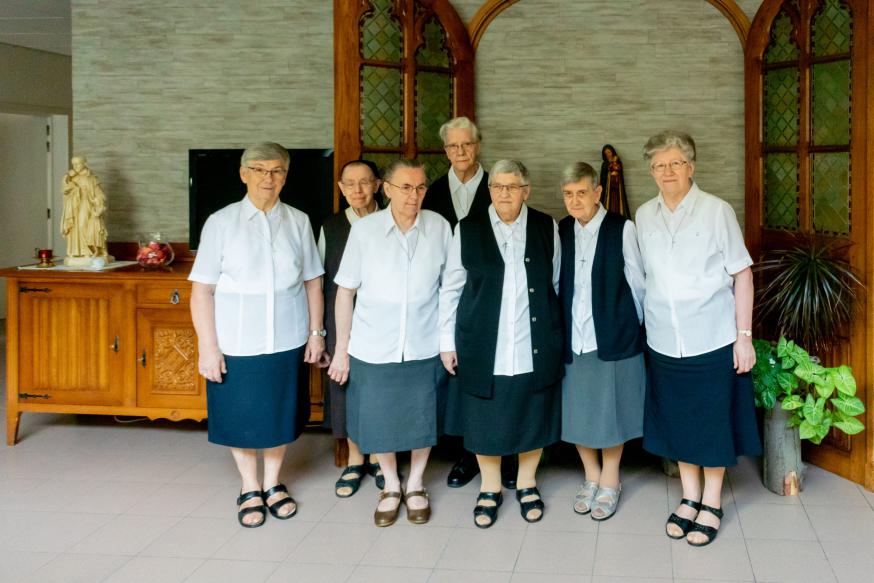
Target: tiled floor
column 87, row 499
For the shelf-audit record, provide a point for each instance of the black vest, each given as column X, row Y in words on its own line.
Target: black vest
column 476, row 329
column 336, row 229
column 439, row 199
column 617, row 330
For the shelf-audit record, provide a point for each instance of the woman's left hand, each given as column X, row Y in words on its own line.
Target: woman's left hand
column 315, row 349
column 744, row 354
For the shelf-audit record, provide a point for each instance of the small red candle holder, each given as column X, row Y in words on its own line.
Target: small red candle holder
column 45, row 258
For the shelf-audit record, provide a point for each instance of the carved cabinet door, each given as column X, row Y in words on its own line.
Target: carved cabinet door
column 73, row 343
column 167, row 360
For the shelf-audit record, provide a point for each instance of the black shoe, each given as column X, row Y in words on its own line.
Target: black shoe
column 490, row 512
column 526, row 507
column 274, row 508
column 685, row 524
column 709, row 531
column 464, row 470
column 375, row 471
column 509, row 471
column 243, row 512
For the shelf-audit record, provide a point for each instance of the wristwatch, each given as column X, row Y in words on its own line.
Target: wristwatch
column 748, row 333
column 321, row 332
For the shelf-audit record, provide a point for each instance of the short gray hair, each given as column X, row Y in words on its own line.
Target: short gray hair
column 510, row 167
column 265, row 151
column 577, row 171
column 670, row 139
column 459, row 123
column 399, row 164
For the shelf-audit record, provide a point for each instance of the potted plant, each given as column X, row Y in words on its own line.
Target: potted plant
column 813, row 399
column 809, row 297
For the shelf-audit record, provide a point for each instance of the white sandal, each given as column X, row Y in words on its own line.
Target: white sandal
column 585, row 496
column 605, row 503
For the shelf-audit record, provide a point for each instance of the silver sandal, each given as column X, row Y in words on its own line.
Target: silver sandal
column 584, row 497
column 605, row 502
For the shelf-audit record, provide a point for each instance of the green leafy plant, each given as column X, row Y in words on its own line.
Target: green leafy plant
column 818, row 397
column 810, row 292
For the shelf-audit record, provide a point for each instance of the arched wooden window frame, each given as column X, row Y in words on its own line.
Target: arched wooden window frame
column 348, row 62
column 853, row 457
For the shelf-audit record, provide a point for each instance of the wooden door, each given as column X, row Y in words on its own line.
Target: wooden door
column 74, row 343
column 167, row 360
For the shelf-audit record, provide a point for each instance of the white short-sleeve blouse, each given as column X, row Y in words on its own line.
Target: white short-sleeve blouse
column 258, row 262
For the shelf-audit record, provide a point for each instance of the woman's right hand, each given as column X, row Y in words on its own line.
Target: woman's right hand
column 450, row 361
column 211, row 364
column 339, row 369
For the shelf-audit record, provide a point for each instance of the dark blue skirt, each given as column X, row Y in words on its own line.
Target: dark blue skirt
column 256, row 405
column 699, row 410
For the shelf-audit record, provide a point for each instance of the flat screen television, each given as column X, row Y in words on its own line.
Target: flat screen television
column 214, row 182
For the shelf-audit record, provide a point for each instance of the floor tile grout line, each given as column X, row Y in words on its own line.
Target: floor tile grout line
column 741, row 528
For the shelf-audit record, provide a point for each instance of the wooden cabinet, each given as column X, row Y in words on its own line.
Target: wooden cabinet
column 118, row 342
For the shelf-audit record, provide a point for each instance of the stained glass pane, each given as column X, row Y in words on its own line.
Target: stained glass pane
column 832, row 29
column 381, row 107
column 382, row 160
column 782, row 46
column 831, row 193
column 781, row 191
column 433, row 50
column 781, row 107
column 381, row 36
column 433, row 107
column 831, row 103
column 436, row 165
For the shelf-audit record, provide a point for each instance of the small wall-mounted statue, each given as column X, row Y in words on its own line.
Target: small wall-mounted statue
column 82, row 221
column 613, row 196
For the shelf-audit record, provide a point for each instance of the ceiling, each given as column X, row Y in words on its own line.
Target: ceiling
column 37, row 24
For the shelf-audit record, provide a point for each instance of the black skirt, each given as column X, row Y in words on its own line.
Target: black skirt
column 699, row 410
column 256, row 406
column 515, row 419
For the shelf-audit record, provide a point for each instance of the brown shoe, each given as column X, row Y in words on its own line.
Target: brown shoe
column 387, row 517
column 418, row 515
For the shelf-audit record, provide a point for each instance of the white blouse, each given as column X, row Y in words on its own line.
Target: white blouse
column 258, row 262
column 690, row 256
column 397, row 278
column 586, row 239
column 513, row 353
column 463, row 193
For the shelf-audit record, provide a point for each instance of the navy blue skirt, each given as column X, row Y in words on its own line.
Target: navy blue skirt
column 699, row 410
column 256, row 405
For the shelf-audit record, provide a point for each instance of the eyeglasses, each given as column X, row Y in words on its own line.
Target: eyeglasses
column 572, row 194
column 409, row 188
column 513, row 189
column 458, row 147
column 362, row 184
column 661, row 167
column 263, row 172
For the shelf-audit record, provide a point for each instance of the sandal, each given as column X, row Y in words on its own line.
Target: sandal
column 375, row 471
column 243, row 512
column 685, row 524
column 274, row 508
column 418, row 515
column 352, row 483
column 526, row 507
column 584, row 497
column 490, row 511
column 605, row 503
column 709, row 531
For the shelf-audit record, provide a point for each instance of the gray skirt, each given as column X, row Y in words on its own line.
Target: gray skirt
column 602, row 401
column 393, row 407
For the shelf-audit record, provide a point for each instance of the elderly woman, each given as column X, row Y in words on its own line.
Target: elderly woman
column 388, row 346
column 698, row 313
column 358, row 183
column 500, row 335
column 601, row 291
column 256, row 303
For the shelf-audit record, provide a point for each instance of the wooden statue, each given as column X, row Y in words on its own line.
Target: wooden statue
column 613, row 196
column 82, row 221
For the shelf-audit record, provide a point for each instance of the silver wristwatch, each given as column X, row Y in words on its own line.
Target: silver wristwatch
column 745, row 332
column 321, row 332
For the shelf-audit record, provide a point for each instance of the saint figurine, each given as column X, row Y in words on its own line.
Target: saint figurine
column 82, row 221
column 613, row 197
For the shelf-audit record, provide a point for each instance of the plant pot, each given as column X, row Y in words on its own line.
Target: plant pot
column 783, row 471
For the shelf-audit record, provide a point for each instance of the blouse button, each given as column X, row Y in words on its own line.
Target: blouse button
column 535, row 351
column 531, row 290
column 527, row 260
column 534, row 318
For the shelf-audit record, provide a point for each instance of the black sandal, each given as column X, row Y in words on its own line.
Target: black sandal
column 709, row 531
column 490, row 512
column 375, row 471
column 526, row 507
column 243, row 512
column 274, row 508
column 352, row 483
column 685, row 524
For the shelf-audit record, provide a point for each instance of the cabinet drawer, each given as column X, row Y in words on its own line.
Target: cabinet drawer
column 164, row 294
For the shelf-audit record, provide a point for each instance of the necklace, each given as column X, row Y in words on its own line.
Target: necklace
column 672, row 233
